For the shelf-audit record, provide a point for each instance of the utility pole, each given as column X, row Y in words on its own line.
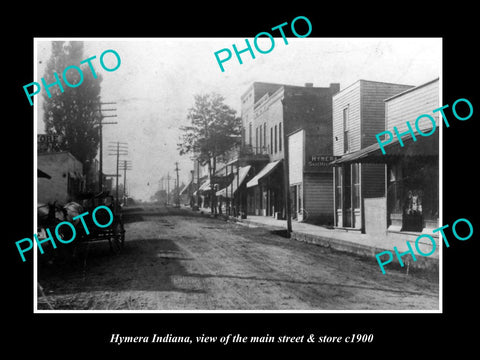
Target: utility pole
column 168, row 187
column 192, row 187
column 286, row 178
column 198, row 183
column 125, row 165
column 121, row 148
column 100, row 132
column 177, row 200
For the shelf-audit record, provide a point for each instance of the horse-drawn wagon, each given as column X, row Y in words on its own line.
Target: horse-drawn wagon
column 52, row 214
column 115, row 232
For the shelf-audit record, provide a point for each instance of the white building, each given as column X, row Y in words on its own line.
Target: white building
column 67, row 179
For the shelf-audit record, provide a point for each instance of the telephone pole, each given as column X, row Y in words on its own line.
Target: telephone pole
column 125, row 165
column 177, row 200
column 168, row 188
column 100, row 132
column 121, row 148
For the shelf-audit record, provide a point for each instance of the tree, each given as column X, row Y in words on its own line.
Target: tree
column 159, row 196
column 73, row 113
column 213, row 130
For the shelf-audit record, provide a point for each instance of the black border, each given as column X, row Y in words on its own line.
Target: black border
column 89, row 334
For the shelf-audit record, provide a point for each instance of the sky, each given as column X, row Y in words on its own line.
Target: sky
column 158, row 77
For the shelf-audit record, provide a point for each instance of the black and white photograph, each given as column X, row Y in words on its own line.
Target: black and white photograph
column 235, row 186
column 212, row 181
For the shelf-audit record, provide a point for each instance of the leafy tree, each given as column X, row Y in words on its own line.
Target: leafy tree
column 159, row 196
column 213, row 130
column 73, row 113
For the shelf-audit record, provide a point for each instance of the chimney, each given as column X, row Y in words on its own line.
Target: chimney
column 308, row 84
column 334, row 87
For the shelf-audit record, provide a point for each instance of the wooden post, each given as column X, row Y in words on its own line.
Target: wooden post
column 286, row 185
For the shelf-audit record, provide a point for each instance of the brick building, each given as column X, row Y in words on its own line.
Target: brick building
column 271, row 113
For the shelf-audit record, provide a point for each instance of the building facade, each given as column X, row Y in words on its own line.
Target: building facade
column 413, row 170
column 272, row 113
column 358, row 115
column 409, row 203
column 66, row 182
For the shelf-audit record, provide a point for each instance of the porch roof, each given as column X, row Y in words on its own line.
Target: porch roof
column 423, row 146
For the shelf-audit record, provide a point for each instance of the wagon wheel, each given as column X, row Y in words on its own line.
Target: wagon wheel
column 118, row 237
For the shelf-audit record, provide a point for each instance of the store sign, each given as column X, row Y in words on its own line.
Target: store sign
column 318, row 161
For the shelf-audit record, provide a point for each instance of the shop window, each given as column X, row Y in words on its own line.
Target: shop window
column 265, row 134
column 356, row 185
column 280, row 137
column 250, row 134
column 338, row 187
column 413, row 192
column 271, row 140
column 276, row 139
column 394, row 189
column 296, row 199
column 347, row 196
column 299, row 196
column 431, row 192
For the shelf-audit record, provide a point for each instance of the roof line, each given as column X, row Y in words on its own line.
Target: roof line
column 412, row 89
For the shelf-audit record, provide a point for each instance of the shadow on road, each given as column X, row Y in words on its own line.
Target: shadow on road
column 143, row 265
column 136, row 214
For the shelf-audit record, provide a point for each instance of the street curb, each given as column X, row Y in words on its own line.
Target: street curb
column 422, row 263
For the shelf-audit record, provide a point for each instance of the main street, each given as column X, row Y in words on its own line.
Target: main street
column 175, row 259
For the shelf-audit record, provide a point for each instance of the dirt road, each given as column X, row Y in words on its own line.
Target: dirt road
column 175, row 259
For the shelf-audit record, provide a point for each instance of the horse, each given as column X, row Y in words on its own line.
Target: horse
column 50, row 215
column 73, row 209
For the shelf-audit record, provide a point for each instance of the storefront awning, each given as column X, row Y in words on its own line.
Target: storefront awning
column 264, row 172
column 239, row 178
column 42, row 174
column 424, row 146
column 187, row 187
column 205, row 186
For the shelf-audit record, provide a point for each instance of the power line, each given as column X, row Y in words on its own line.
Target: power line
column 121, row 149
column 100, row 126
column 125, row 165
column 177, row 200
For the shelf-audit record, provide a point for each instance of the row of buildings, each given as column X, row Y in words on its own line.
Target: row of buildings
column 321, row 142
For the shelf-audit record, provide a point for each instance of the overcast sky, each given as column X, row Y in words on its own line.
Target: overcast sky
column 158, row 78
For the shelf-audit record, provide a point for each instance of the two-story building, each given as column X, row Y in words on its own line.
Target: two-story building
column 408, row 203
column 358, row 115
column 277, row 112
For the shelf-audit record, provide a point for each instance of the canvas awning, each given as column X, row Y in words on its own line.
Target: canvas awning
column 205, row 186
column 187, row 187
column 423, row 146
column 239, row 178
column 262, row 173
column 42, row 174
